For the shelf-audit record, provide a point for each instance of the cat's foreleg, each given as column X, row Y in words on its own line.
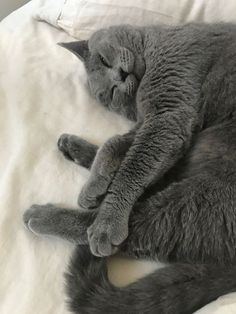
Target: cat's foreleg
column 158, row 144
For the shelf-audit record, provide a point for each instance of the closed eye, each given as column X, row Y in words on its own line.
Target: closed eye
column 104, row 62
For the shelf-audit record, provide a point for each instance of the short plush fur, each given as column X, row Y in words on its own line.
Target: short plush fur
column 165, row 190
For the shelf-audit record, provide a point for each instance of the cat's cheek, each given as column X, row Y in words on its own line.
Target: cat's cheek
column 131, row 85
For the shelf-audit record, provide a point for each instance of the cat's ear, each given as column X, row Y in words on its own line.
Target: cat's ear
column 79, row 48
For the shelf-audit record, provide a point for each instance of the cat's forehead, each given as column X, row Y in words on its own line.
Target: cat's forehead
column 103, row 38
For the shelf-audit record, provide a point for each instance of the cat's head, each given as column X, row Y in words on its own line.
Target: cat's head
column 114, row 62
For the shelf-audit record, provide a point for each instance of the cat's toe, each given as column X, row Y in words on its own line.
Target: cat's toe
column 88, row 202
column 100, row 241
column 36, row 212
column 105, row 237
column 29, row 213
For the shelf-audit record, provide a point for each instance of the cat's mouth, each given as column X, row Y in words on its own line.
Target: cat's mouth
column 129, row 86
column 113, row 91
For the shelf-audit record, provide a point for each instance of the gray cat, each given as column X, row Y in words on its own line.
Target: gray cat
column 166, row 190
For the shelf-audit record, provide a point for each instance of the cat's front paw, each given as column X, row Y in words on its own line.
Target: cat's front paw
column 38, row 218
column 94, row 191
column 105, row 236
column 88, row 199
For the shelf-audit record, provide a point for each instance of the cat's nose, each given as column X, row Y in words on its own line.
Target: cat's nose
column 123, row 75
column 120, row 75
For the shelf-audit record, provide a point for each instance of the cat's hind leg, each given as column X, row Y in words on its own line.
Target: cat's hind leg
column 190, row 221
column 76, row 149
column 103, row 162
column 106, row 163
column 68, row 224
column 192, row 218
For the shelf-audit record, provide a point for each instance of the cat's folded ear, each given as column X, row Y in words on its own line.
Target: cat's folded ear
column 79, row 48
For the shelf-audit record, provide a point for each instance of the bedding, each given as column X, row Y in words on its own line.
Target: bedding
column 42, row 95
column 80, row 18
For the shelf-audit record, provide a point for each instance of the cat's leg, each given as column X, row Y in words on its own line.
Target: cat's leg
column 103, row 161
column 194, row 218
column 48, row 219
column 159, row 143
column 77, row 149
column 68, row 224
column 103, row 170
column 190, row 221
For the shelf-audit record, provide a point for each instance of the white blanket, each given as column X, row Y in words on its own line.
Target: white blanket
column 42, row 94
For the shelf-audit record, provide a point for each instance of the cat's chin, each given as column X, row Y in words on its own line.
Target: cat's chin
column 132, row 117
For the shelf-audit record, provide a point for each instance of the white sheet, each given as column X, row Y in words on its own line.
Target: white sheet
column 42, row 94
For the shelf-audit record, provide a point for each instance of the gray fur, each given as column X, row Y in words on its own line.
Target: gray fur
column 77, row 149
column 176, row 289
column 165, row 190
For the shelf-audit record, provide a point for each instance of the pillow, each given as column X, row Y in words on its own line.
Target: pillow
column 80, row 18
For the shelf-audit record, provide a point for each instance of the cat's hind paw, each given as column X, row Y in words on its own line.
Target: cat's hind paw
column 77, row 149
column 38, row 218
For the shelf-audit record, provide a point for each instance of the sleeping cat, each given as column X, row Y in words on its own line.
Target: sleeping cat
column 165, row 190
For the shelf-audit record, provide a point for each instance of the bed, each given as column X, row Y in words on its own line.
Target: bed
column 42, row 95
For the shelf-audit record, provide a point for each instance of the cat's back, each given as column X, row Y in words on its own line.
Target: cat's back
column 203, row 54
column 190, row 29
column 208, row 36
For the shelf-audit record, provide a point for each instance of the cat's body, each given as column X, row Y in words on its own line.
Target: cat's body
column 165, row 190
